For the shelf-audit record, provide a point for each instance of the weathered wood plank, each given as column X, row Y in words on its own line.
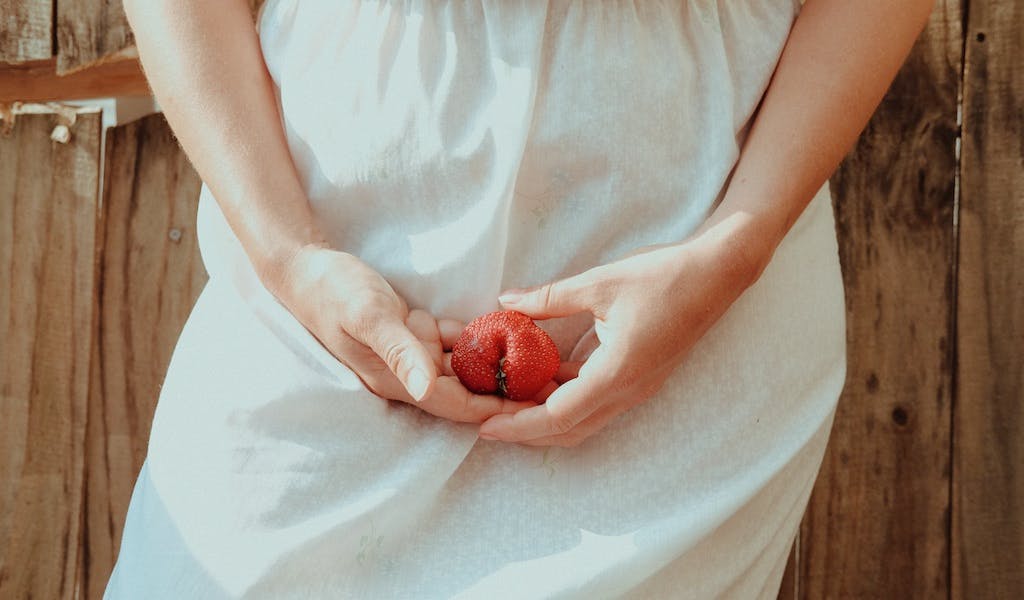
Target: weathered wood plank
column 37, row 81
column 48, row 206
column 151, row 273
column 26, row 30
column 988, row 472
column 877, row 524
column 89, row 32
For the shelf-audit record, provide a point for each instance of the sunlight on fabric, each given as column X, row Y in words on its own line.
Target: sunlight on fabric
column 571, row 568
column 236, row 564
column 432, row 251
column 508, row 112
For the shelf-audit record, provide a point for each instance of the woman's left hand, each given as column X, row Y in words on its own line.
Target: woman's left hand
column 649, row 309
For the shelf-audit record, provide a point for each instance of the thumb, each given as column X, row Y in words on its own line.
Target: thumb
column 555, row 299
column 405, row 355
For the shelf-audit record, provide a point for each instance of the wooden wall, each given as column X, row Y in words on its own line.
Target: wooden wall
column 84, row 31
column 48, row 212
column 149, row 276
column 878, row 522
column 988, row 417
column 921, row 494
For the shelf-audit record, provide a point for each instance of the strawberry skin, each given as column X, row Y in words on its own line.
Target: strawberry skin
column 505, row 352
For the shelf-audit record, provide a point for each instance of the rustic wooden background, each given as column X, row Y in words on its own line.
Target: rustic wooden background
column 921, row 494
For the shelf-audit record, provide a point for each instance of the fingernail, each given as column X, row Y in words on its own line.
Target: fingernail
column 509, row 297
column 418, row 382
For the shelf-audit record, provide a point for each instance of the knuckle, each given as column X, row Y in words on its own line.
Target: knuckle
column 394, row 353
column 601, row 288
column 547, row 294
column 376, row 366
column 362, row 322
column 562, row 424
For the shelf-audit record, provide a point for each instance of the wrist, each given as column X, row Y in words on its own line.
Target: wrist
column 281, row 270
column 742, row 243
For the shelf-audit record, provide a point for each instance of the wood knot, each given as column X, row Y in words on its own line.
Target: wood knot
column 900, row 416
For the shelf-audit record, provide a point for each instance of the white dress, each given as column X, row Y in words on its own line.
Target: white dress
column 462, row 148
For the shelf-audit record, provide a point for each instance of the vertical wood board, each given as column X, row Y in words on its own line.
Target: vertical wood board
column 48, row 205
column 90, row 31
column 877, row 524
column 151, row 274
column 988, row 491
column 26, row 30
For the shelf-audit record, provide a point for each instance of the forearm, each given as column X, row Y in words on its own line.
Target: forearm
column 206, row 69
column 837, row 64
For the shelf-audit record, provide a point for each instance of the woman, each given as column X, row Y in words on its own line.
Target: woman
column 647, row 179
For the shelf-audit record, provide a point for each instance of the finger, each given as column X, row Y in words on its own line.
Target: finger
column 558, row 298
column 452, row 401
column 424, row 327
column 545, row 392
column 450, row 330
column 597, row 421
column 446, row 367
column 585, row 346
column 567, row 370
column 370, row 368
column 404, row 354
column 570, row 404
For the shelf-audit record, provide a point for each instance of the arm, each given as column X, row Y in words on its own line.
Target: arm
column 838, row 62
column 837, row 65
column 204, row 63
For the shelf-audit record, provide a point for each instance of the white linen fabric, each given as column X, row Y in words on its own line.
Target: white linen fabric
column 462, row 148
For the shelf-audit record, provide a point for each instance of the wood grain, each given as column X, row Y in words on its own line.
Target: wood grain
column 48, row 206
column 90, row 32
column 151, row 274
column 38, row 81
column 26, row 30
column 877, row 524
column 988, row 475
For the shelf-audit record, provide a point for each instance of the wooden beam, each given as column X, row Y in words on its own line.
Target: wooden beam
column 988, row 457
column 37, row 81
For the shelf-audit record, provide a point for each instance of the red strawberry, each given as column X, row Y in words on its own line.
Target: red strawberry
column 505, row 352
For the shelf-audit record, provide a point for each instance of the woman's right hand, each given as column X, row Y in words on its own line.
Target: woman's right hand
column 359, row 318
column 205, row 65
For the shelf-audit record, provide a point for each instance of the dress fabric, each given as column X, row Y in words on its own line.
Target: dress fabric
column 462, row 148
